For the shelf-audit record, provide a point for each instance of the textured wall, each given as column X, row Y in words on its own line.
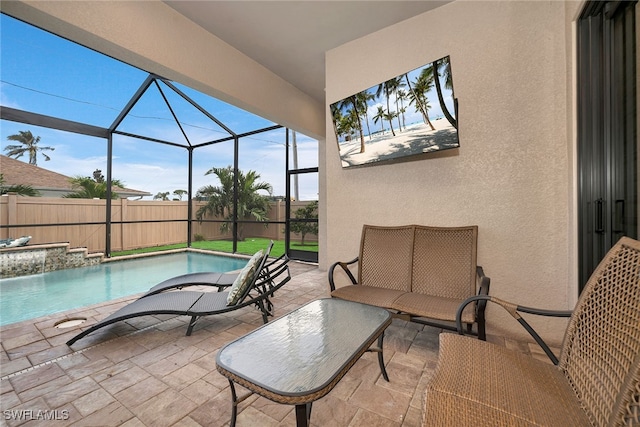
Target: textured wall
column 512, row 175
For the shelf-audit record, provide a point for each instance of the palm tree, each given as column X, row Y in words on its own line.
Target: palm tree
column 179, row 193
column 88, row 188
column 19, row 189
column 162, row 195
column 28, row 144
column 251, row 204
column 444, row 65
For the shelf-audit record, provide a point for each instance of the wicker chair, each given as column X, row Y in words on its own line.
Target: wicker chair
column 596, row 380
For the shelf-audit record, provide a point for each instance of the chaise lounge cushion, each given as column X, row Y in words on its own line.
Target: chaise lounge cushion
column 244, row 279
column 479, row 383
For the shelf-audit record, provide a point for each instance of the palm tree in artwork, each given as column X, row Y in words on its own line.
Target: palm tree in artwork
column 444, row 66
column 419, row 90
column 220, row 199
column 390, row 115
column 387, row 87
column 344, row 126
column 355, row 113
column 396, row 86
column 401, row 113
column 336, row 114
column 379, row 118
column 27, row 144
column 363, row 99
column 402, row 96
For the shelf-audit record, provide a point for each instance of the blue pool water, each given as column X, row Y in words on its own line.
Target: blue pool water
column 28, row 297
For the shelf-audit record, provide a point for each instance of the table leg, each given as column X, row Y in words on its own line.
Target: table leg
column 303, row 415
column 378, row 350
column 234, row 404
column 381, row 358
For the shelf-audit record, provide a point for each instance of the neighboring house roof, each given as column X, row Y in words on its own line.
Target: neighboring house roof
column 47, row 182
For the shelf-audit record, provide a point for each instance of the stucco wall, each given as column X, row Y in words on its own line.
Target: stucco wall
column 511, row 65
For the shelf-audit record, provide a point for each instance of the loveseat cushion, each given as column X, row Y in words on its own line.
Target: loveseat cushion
column 379, row 297
column 433, row 307
column 480, row 383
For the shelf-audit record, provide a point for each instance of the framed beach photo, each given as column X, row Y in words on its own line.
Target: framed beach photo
column 402, row 118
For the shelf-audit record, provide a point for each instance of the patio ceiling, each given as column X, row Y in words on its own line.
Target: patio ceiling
column 290, row 38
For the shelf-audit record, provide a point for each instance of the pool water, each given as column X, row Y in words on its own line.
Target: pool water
column 28, row 297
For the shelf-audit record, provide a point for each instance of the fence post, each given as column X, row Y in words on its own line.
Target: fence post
column 279, row 217
column 12, row 210
column 12, row 214
column 123, row 216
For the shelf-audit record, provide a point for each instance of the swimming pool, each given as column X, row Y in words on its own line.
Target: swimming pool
column 28, row 297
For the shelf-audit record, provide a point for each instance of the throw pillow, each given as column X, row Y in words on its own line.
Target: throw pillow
column 244, row 279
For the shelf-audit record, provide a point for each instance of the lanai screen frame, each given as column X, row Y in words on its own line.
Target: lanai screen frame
column 26, row 117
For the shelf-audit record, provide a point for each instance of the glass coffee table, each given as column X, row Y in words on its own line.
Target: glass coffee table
column 300, row 357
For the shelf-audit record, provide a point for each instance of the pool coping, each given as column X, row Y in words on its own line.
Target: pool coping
column 173, row 251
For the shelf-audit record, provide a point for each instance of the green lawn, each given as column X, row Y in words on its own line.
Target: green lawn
column 248, row 247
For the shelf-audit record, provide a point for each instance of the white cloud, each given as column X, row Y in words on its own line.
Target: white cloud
column 7, row 101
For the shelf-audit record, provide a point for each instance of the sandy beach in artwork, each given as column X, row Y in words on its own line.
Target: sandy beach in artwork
column 415, row 139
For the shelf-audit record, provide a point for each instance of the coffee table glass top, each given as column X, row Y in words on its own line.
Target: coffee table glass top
column 305, row 350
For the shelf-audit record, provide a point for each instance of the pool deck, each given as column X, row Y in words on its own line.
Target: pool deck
column 146, row 372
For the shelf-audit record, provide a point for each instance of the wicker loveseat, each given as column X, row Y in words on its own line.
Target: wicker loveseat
column 419, row 273
column 595, row 381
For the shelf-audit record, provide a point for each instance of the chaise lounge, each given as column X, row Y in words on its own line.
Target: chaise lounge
column 220, row 280
column 250, row 288
column 594, row 382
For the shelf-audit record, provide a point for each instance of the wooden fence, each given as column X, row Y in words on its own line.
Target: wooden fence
column 81, row 222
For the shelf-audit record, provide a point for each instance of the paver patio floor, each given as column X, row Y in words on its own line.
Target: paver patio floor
column 146, row 372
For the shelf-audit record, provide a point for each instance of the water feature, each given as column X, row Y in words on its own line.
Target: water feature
column 23, row 260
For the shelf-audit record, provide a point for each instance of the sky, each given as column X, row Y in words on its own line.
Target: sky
column 45, row 74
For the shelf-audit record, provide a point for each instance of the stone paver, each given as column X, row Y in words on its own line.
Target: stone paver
column 125, row 376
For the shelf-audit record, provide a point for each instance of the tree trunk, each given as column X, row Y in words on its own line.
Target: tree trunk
column 355, row 108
